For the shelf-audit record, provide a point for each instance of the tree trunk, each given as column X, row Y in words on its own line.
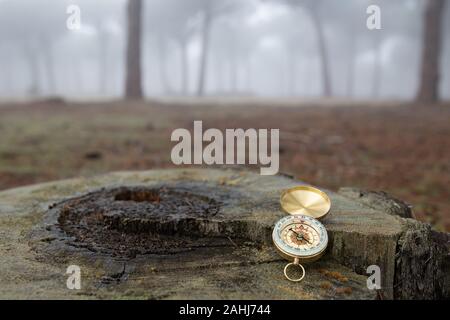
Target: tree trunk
column 133, row 89
column 204, row 53
column 429, row 78
column 325, row 70
column 212, row 231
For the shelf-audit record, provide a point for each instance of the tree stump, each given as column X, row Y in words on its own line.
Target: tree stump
column 205, row 233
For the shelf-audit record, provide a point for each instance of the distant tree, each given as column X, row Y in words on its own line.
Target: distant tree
column 431, row 52
column 30, row 27
column 103, row 39
column 353, row 24
column 207, row 18
column 133, row 82
column 173, row 21
column 209, row 11
column 313, row 8
column 399, row 22
column 293, row 40
column 105, row 34
column 104, row 22
column 234, row 44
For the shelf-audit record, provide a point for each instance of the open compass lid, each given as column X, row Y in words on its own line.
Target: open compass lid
column 305, row 200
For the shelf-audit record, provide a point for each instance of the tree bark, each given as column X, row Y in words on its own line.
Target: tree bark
column 221, row 236
column 204, row 53
column 133, row 89
column 432, row 42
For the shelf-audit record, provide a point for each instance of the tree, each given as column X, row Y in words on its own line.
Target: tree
column 104, row 22
column 234, row 44
column 431, row 54
column 209, row 11
column 173, row 21
column 313, row 8
column 293, row 41
column 32, row 31
column 133, row 86
column 321, row 42
column 107, row 29
column 206, row 27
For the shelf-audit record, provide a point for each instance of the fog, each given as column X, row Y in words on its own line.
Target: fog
column 257, row 48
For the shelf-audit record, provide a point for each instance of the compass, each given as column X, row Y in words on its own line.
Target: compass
column 300, row 237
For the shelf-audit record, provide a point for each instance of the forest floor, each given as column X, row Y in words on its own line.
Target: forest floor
column 401, row 149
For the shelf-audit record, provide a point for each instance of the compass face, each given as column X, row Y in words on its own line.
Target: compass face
column 300, row 236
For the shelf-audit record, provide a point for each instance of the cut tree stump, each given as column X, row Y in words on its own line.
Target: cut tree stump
column 205, row 233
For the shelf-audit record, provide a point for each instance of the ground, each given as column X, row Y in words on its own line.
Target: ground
column 399, row 148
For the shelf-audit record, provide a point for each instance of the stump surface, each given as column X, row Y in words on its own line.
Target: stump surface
column 203, row 233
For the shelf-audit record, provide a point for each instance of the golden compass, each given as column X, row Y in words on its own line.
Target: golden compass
column 300, row 237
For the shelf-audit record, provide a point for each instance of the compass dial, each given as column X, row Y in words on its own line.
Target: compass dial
column 300, row 237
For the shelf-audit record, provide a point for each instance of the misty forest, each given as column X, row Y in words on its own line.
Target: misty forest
column 298, row 48
column 88, row 87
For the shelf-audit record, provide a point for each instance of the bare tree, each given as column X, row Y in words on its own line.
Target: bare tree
column 210, row 10
column 233, row 44
column 33, row 32
column 173, row 21
column 350, row 25
column 321, row 42
column 313, row 8
column 432, row 43
column 133, row 86
column 206, row 28
column 103, row 39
